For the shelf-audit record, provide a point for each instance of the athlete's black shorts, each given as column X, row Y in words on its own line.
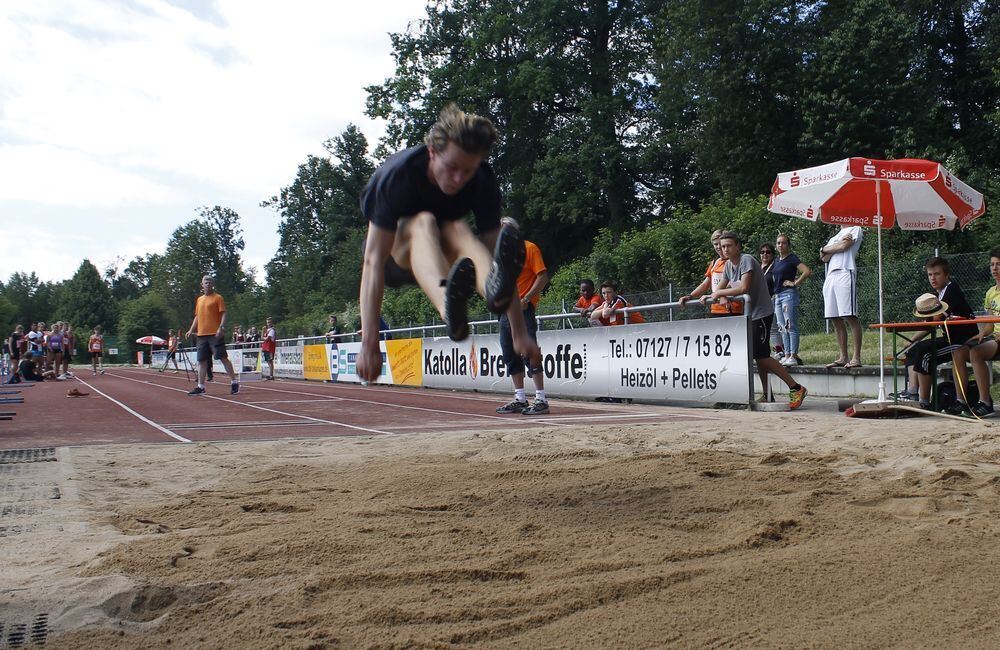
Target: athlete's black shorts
column 514, row 362
column 209, row 346
column 396, row 275
column 762, row 337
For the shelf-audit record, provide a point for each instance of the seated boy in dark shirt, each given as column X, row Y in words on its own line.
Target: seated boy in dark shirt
column 947, row 302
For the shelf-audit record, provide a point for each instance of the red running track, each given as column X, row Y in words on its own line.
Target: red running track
column 135, row 405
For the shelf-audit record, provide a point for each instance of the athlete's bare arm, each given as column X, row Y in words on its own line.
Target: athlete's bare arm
column 377, row 250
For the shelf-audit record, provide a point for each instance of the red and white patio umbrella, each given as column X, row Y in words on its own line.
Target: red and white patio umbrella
column 911, row 193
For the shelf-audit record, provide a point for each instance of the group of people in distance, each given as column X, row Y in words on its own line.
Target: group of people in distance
column 734, row 274
column 604, row 310
column 42, row 353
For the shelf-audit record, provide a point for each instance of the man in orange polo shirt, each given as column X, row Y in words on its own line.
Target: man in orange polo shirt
column 210, row 325
column 533, row 278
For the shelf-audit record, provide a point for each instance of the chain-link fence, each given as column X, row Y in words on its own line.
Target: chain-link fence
column 903, row 280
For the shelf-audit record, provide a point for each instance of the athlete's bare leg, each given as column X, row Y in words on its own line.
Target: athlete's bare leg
column 417, row 247
column 458, row 241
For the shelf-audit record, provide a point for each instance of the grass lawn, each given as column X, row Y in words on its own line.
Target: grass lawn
column 821, row 349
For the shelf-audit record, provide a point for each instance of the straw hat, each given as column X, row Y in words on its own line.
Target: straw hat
column 929, row 305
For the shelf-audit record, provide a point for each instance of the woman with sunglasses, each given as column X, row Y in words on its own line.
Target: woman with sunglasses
column 789, row 272
column 766, row 254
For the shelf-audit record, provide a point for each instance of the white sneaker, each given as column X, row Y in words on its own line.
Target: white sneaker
column 69, row 374
column 62, row 377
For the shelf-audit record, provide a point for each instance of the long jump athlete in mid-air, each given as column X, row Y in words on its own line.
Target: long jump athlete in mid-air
column 415, row 204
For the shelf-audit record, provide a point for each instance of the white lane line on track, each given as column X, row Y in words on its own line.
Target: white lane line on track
column 133, row 412
column 294, row 401
column 366, row 401
column 552, row 420
column 254, row 425
column 261, row 408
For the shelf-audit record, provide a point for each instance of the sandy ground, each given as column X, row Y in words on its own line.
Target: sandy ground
column 792, row 530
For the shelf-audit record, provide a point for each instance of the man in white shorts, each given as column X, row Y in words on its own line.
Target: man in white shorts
column 840, row 292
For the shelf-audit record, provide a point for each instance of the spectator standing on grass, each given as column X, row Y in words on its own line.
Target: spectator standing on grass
column 95, row 346
column 210, row 326
column 238, row 336
column 840, row 292
column 269, row 346
column 42, row 358
column 714, row 276
column 766, row 253
column 588, row 301
column 608, row 314
column 985, row 348
column 55, row 355
column 534, row 277
column 14, row 347
column 35, row 341
column 69, row 347
column 744, row 276
column 789, row 272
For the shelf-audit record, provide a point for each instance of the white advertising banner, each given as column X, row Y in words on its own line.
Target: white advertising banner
column 288, row 362
column 703, row 360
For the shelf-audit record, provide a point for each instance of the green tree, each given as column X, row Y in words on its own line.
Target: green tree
column 7, row 311
column 85, row 300
column 316, row 266
column 148, row 314
column 210, row 245
column 729, row 75
column 561, row 80
column 33, row 299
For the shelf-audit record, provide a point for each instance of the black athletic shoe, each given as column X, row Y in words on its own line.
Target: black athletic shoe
column 234, row 388
column 197, row 390
column 459, row 288
column 210, row 376
column 538, row 407
column 513, row 407
column 982, row 410
column 508, row 260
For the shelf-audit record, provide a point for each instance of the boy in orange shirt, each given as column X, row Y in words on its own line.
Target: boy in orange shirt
column 589, row 300
column 210, row 325
column 533, row 278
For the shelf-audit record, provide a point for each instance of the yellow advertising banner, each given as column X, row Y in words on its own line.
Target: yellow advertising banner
column 405, row 361
column 315, row 362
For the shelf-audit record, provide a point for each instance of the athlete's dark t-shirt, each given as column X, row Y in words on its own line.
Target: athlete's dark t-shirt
column 400, row 188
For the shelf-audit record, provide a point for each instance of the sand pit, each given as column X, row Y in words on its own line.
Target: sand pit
column 798, row 529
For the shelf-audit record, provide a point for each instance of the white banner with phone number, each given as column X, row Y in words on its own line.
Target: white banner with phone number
column 701, row 360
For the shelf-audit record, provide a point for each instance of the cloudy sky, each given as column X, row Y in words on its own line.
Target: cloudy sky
column 119, row 119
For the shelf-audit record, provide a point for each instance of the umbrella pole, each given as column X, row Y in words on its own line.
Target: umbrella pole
column 881, row 319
